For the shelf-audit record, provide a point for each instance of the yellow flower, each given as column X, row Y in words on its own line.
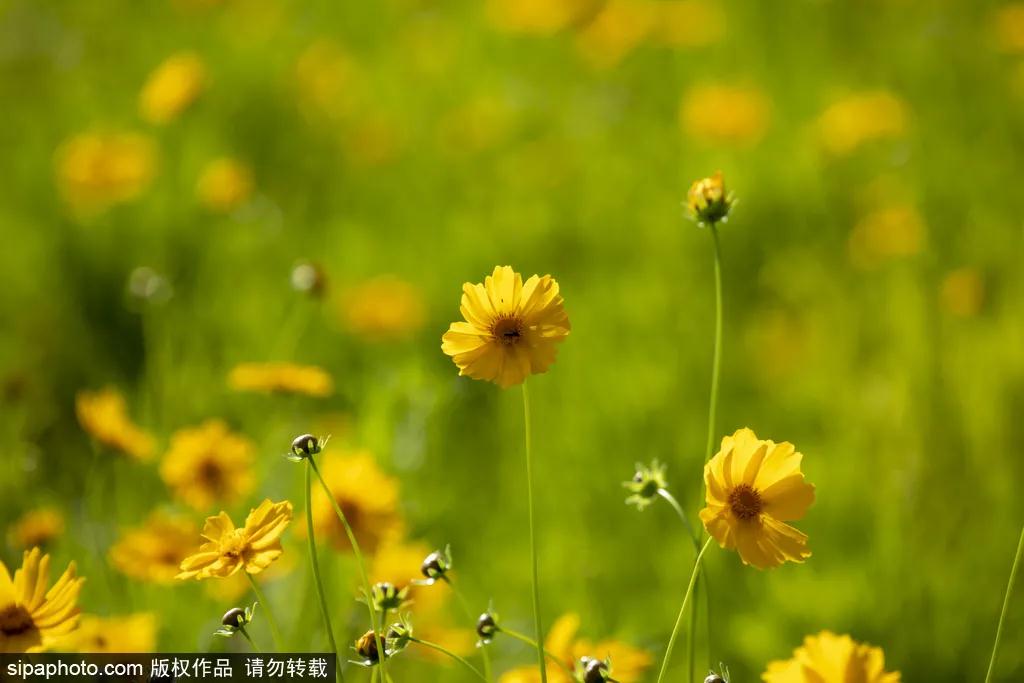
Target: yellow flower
column 154, row 551
column 224, row 185
column 33, row 618
column 628, row 662
column 858, row 119
column 36, row 527
column 172, row 87
column 753, row 488
column 251, row 547
column 103, row 415
column 367, row 496
column 1008, row 26
column 887, row 233
column 725, row 114
column 619, row 27
column 536, row 16
column 963, row 292
column 98, row 170
column 828, row 658
column 512, row 328
column 130, row 633
column 383, row 308
column 688, row 23
column 283, row 378
column 707, row 200
column 325, row 76
column 208, row 464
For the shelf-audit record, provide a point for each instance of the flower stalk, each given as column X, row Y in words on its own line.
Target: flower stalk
column 1006, row 605
column 449, row 653
column 315, row 564
column 682, row 612
column 538, row 626
column 274, row 630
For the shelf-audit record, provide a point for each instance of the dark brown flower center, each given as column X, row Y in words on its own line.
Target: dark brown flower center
column 211, row 475
column 745, row 502
column 507, row 330
column 15, row 620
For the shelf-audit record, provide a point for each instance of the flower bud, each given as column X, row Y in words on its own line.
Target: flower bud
column 594, row 670
column 309, row 278
column 399, row 635
column 486, row 627
column 714, row 678
column 234, row 617
column 707, row 200
column 306, row 446
column 436, row 565
column 646, row 484
column 366, row 647
column 386, row 596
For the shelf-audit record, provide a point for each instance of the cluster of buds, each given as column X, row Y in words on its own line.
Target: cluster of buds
column 646, row 484
column 386, row 596
column 306, row 446
column 486, row 627
column 435, row 567
column 708, row 202
column 235, row 620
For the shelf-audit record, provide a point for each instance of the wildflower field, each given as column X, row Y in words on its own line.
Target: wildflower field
column 656, row 340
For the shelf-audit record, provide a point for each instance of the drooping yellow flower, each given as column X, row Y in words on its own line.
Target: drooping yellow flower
column 828, row 658
column 963, row 292
column 36, row 527
column 1008, row 27
column 725, row 114
column 33, row 618
column 208, row 464
column 129, row 633
column 367, row 496
column 283, row 378
column 103, row 415
column 172, row 87
column 251, row 547
column 628, row 663
column 382, row 308
column 154, row 551
column 536, row 16
column 754, row 487
column 512, row 329
column 619, row 27
column 98, row 170
column 887, row 233
column 859, row 119
column 224, row 185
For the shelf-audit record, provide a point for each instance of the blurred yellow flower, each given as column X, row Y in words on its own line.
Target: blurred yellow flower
column 367, row 496
column 512, row 329
column 154, row 551
column 384, row 307
column 687, row 23
column 324, row 76
column 963, row 292
column 886, row 233
column 36, row 527
column 33, row 618
column 172, row 87
column 373, row 140
column 619, row 27
column 251, row 547
column 224, row 185
column 537, row 16
column 103, row 415
column 208, row 464
column 828, row 658
column 476, row 125
column 98, row 170
column 282, row 378
column 754, row 487
column 725, row 114
column 129, row 633
column 1008, row 27
column 861, row 118
column 628, row 662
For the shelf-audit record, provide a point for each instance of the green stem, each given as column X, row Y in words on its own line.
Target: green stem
column 274, row 630
column 532, row 643
column 315, row 564
column 538, row 626
column 461, row 599
column 682, row 515
column 682, row 612
column 359, row 559
column 1006, row 605
column 457, row 658
column 716, row 359
column 252, row 644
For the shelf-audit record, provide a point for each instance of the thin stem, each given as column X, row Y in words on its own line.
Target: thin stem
column 682, row 612
column 359, row 558
column 682, row 515
column 1006, row 605
column 461, row 599
column 457, row 658
column 538, row 627
column 716, row 359
column 252, row 644
column 274, row 630
column 315, row 564
column 532, row 643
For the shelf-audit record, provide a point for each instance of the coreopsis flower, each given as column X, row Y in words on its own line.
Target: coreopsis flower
column 708, row 201
column 962, row 292
column 208, row 464
column 537, row 16
column 32, row 617
column 37, row 527
column 281, row 378
column 859, row 119
column 98, row 170
column 103, row 415
column 383, row 308
column 172, row 87
column 725, row 114
column 618, row 28
column 325, row 78
column 129, row 633
column 687, row 23
column 754, row 487
column 561, row 642
column 1008, row 27
column 512, row 329
column 828, row 658
column 224, row 184
column 153, row 551
column 645, row 486
column 229, row 549
column 889, row 232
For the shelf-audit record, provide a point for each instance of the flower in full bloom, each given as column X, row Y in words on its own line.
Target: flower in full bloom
column 512, row 328
column 281, row 378
column 36, row 527
column 129, row 633
column 33, row 618
column 859, row 119
column 172, row 87
column 707, row 200
column 561, row 642
column 153, row 551
column 103, row 415
column 251, row 547
column 98, row 170
column 754, row 487
column 208, row 464
column 383, row 308
column 224, row 184
column 828, row 658
column 725, row 114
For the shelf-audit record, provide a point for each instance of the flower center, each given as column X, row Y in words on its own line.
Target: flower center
column 507, row 330
column 15, row 620
column 745, row 502
column 233, row 544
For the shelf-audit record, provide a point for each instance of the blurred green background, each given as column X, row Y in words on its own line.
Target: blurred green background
column 872, row 276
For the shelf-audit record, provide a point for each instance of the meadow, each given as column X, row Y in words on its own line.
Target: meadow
column 227, row 223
